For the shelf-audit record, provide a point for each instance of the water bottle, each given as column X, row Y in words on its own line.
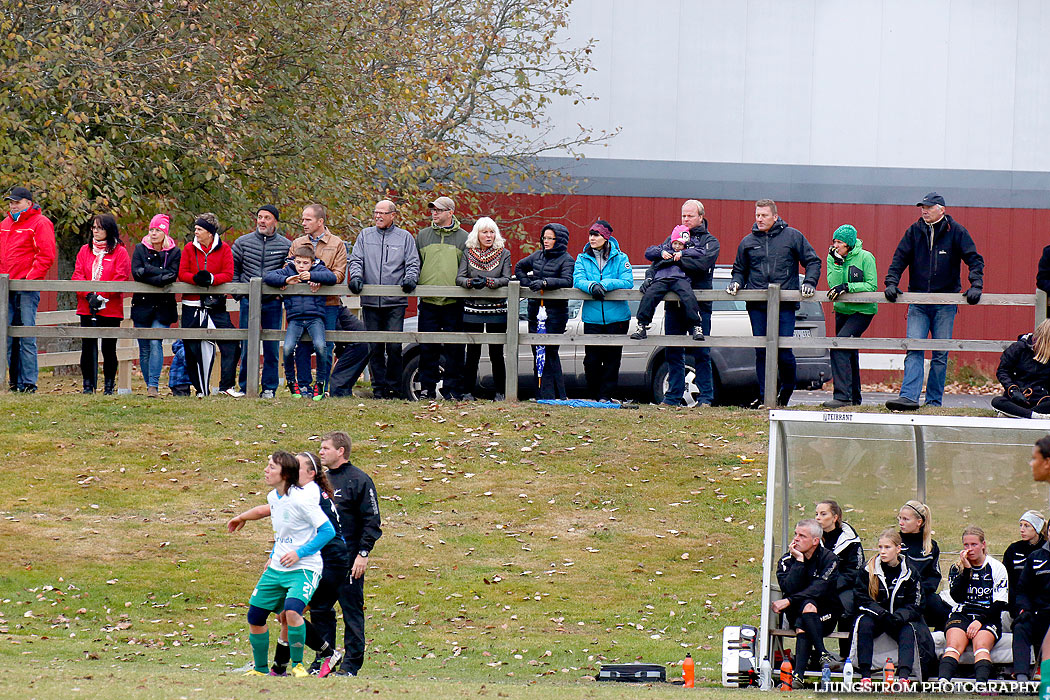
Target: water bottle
column 847, row 673
column 1044, row 680
column 688, row 670
column 888, row 678
column 785, row 675
column 765, row 675
column 825, row 677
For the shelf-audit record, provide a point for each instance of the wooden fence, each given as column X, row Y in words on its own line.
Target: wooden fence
column 511, row 340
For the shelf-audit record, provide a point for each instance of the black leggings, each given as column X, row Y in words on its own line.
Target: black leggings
column 868, row 628
column 89, row 352
column 813, row 631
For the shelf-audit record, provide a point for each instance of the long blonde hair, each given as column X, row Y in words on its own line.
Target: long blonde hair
column 892, row 535
column 923, row 512
column 1041, row 342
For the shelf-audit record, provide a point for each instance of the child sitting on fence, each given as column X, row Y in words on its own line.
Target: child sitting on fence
column 303, row 313
column 667, row 275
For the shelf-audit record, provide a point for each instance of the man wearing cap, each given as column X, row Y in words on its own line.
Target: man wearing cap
column 27, row 252
column 440, row 246
column 384, row 254
column 331, row 250
column 772, row 254
column 254, row 254
column 931, row 249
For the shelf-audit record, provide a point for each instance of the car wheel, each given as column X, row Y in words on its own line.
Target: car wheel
column 410, row 385
column 660, row 384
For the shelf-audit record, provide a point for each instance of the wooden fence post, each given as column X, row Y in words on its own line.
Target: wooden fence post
column 124, row 370
column 254, row 335
column 5, row 293
column 769, row 397
column 510, row 345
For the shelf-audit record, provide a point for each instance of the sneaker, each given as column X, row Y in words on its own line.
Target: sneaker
column 698, row 334
column 232, row 392
column 298, row 671
column 834, row 403
column 902, row 404
column 152, row 392
column 253, row 672
column 267, row 394
column 319, row 392
column 294, row 389
column 315, row 667
column 307, row 391
column 330, row 663
column 343, row 671
column 275, row 672
column 499, row 397
column 641, row 333
column 865, row 685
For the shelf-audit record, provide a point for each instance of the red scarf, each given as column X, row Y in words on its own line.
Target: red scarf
column 99, row 248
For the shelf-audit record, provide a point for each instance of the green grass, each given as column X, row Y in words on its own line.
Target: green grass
column 522, row 546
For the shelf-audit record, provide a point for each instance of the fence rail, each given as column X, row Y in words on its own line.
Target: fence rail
column 511, row 340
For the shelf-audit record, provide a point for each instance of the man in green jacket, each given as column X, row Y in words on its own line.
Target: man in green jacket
column 441, row 246
column 850, row 269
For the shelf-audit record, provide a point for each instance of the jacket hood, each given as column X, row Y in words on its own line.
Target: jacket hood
column 905, row 571
column 446, row 230
column 778, row 226
column 169, row 242
column 561, row 240
column 614, row 248
column 216, row 241
column 698, row 230
column 856, row 250
column 846, row 537
column 27, row 214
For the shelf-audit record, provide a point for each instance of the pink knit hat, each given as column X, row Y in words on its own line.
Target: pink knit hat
column 160, row 221
column 680, row 233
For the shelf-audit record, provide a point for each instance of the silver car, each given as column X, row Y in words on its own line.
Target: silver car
column 643, row 370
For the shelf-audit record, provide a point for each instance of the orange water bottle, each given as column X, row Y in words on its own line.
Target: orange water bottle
column 888, row 679
column 785, row 675
column 688, row 671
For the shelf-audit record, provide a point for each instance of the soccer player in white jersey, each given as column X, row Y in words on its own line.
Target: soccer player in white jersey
column 300, row 530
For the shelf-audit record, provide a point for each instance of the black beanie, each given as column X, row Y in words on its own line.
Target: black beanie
column 272, row 209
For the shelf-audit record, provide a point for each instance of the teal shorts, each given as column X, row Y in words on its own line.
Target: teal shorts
column 274, row 586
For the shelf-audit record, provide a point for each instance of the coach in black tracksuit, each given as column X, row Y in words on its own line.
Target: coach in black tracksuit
column 358, row 506
column 1031, row 610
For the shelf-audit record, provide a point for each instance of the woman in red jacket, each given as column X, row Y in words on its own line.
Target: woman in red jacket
column 208, row 261
column 104, row 259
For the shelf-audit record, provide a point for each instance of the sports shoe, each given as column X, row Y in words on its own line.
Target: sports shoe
column 330, row 663
column 267, row 394
column 641, row 333
column 253, row 672
column 307, row 390
column 233, row 392
column 834, row 403
column 865, row 685
column 275, row 672
column 902, row 404
column 319, row 392
column 698, row 334
column 298, row 671
column 296, row 392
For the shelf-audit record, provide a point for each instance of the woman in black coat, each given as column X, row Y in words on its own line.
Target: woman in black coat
column 548, row 268
column 155, row 261
column 1024, row 372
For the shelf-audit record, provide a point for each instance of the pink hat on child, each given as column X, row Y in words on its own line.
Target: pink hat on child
column 160, row 221
column 680, row 233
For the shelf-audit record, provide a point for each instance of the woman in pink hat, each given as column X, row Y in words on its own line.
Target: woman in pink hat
column 156, row 262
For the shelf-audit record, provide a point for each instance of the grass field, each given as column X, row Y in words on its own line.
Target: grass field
column 522, row 546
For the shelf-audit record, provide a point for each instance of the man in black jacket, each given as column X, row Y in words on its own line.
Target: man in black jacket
column 700, row 268
column 358, row 507
column 931, row 249
column 254, row 254
column 807, row 574
column 772, row 254
column 351, row 358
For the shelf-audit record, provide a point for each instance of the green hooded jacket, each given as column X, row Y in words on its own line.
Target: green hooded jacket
column 440, row 250
column 859, row 272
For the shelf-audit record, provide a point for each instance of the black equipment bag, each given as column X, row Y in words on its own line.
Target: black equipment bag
column 632, row 673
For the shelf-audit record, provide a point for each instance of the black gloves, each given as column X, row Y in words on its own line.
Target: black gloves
column 839, row 260
column 892, row 292
column 537, row 285
column 477, row 282
column 203, row 278
column 1015, row 394
column 837, row 291
column 355, row 284
column 95, row 302
column 408, row 286
column 597, row 291
column 645, row 285
column 973, row 295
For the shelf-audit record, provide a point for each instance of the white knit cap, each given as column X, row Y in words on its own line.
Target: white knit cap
column 1033, row 518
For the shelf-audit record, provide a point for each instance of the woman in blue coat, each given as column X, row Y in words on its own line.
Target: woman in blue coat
column 600, row 268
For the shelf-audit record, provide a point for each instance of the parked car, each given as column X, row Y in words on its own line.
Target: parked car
column 643, row 371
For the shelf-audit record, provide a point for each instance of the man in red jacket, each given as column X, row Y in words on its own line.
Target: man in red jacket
column 206, row 262
column 27, row 252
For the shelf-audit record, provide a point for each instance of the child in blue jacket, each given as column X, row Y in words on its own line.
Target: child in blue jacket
column 600, row 268
column 303, row 313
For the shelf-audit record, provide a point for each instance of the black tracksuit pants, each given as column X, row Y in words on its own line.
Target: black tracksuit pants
column 352, row 602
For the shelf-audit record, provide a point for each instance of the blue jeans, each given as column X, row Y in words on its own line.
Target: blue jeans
column 785, row 358
column 315, row 327
column 935, row 321
column 271, row 320
column 22, row 306
column 302, row 358
column 676, row 323
column 151, row 356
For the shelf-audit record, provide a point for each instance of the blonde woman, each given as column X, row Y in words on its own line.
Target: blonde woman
column 918, row 545
column 1024, row 372
column 485, row 265
column 979, row 584
column 888, row 596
